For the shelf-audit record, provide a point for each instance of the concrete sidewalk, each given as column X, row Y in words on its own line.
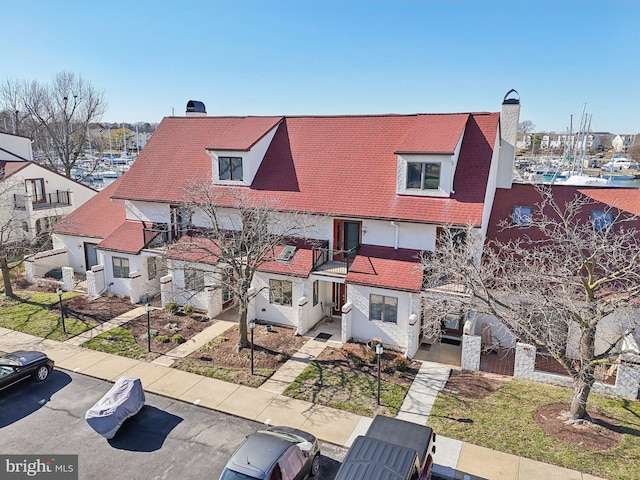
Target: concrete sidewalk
column 453, row 458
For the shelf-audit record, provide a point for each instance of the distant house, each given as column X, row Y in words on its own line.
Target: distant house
column 34, row 198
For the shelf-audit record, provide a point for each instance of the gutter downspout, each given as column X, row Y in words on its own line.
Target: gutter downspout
column 395, row 243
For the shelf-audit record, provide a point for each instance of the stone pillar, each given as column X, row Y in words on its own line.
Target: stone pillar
column 303, row 316
column 346, row 322
column 135, row 287
column 67, row 279
column 628, row 377
column 413, row 336
column 525, row 361
column 29, row 271
column 251, row 308
column 166, row 290
column 95, row 281
column 214, row 307
column 471, row 348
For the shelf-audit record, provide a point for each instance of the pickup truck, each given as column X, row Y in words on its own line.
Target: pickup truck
column 391, row 449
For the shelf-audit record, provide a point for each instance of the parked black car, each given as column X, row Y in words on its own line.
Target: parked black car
column 274, row 454
column 23, row 364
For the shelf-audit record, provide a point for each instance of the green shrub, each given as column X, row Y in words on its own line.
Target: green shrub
column 171, row 307
column 177, row 338
column 187, row 310
column 162, row 339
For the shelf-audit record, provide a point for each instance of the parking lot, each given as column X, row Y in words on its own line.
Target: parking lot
column 167, row 439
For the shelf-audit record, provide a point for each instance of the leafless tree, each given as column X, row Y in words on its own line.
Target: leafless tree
column 565, row 282
column 238, row 236
column 58, row 115
column 12, row 103
column 526, row 126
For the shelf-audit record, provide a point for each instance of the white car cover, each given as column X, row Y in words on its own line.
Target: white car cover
column 122, row 401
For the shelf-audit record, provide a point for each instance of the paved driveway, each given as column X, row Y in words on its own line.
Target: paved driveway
column 167, row 439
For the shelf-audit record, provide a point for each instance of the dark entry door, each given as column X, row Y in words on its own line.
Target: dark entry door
column 339, row 298
column 90, row 255
column 346, row 237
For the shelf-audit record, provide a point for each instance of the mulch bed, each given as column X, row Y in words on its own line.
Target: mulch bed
column 271, row 348
column 599, row 434
column 355, row 356
column 472, row 384
column 165, row 324
column 100, row 309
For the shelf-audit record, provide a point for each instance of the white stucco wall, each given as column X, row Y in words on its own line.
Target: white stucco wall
column 75, row 248
column 20, row 146
column 490, row 191
column 269, row 312
column 362, row 329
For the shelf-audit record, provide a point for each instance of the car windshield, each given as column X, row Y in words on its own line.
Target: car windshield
column 231, row 475
column 8, row 361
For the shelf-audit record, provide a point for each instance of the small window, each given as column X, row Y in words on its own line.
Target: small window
column 120, row 267
column 193, row 279
column 315, row 292
column 423, row 176
column 280, row 292
column 384, row 309
column 230, row 168
column 602, row 221
column 521, row 215
column 151, row 268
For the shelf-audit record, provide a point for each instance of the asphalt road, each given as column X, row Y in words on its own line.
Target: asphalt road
column 167, row 439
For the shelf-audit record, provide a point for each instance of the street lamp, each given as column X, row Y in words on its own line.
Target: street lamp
column 252, row 326
column 379, row 350
column 59, row 292
column 147, row 307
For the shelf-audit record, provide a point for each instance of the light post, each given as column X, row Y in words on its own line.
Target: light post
column 59, row 292
column 252, row 326
column 379, row 350
column 147, row 307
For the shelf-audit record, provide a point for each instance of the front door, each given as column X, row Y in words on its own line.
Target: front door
column 452, row 324
column 339, row 298
column 90, row 255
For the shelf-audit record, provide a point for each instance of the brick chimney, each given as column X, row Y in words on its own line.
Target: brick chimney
column 509, row 118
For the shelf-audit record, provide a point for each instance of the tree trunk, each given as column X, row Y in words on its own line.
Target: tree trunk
column 243, row 342
column 4, row 268
column 581, row 391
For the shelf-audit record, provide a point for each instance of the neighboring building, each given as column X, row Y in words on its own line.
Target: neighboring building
column 381, row 185
column 34, row 197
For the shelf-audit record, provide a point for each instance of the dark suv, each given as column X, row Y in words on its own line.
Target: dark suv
column 274, row 454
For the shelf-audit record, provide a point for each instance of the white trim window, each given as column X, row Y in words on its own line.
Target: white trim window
column 281, row 292
column 193, row 279
column 383, row 308
column 521, row 215
column 423, row 176
column 230, row 168
column 120, row 267
column 602, row 220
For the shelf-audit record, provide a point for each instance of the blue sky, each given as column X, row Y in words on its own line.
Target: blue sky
column 337, row 57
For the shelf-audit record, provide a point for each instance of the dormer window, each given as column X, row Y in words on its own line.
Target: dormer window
column 602, row 220
column 521, row 216
column 230, row 168
column 423, row 176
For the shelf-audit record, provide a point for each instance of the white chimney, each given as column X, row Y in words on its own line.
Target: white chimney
column 509, row 118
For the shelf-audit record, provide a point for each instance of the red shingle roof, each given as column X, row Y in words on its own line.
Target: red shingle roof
column 429, row 136
column 626, row 199
column 97, row 217
column 127, row 238
column 387, row 268
column 245, row 134
column 342, row 166
column 11, row 168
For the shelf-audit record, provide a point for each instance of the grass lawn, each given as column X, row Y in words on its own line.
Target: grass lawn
column 29, row 313
column 118, row 341
column 346, row 379
column 504, row 421
column 229, row 374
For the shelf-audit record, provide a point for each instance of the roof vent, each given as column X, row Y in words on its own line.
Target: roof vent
column 196, row 108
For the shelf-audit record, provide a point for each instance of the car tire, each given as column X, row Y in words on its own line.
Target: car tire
column 315, row 465
column 41, row 374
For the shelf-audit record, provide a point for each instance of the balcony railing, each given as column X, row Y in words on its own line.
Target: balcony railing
column 58, row 199
column 333, row 262
column 157, row 236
